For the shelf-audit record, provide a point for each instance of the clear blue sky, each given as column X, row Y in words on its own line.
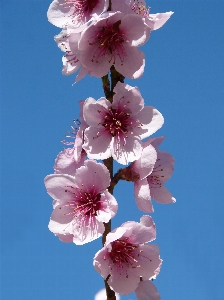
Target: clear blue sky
column 184, row 80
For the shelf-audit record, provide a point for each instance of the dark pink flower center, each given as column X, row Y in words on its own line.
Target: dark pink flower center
column 123, row 252
column 116, row 122
column 109, row 39
column 82, row 8
column 84, row 204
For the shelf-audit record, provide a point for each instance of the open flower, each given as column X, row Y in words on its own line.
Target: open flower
column 153, row 21
column 149, row 174
column 63, row 13
column 161, row 173
column 125, row 257
column 81, row 203
column 113, row 40
column 117, row 129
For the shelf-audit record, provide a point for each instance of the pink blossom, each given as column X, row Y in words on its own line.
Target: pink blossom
column 146, row 290
column 125, row 257
column 162, row 172
column 81, row 203
column 68, row 42
column 64, row 13
column 153, row 21
column 117, row 129
column 151, row 176
column 113, row 40
column 101, row 295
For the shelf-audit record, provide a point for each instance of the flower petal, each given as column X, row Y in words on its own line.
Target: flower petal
column 65, row 238
column 116, row 234
column 65, row 162
column 93, row 110
column 128, row 152
column 97, row 143
column 56, row 185
column 142, row 196
column 136, row 68
column 122, row 282
column 87, row 232
column 155, row 141
column 146, row 290
column 156, row 21
column 146, row 221
column 128, row 97
column 149, row 260
column 151, row 119
column 138, row 233
column 145, row 164
column 166, row 162
column 134, row 29
column 162, row 195
column 92, row 176
column 101, row 262
column 109, row 208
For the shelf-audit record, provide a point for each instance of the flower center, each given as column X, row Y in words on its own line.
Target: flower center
column 123, row 252
column 109, row 39
column 116, row 122
column 84, row 204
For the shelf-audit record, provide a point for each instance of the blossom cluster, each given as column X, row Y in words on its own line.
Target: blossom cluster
column 99, row 36
column 94, row 38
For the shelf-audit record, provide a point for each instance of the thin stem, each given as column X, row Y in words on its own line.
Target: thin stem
column 107, row 230
column 110, row 293
column 106, row 88
column 115, row 77
column 110, row 6
column 109, row 164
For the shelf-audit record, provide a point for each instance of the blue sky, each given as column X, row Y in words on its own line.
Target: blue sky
column 183, row 79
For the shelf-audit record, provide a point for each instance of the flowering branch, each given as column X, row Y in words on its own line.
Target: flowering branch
column 98, row 37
